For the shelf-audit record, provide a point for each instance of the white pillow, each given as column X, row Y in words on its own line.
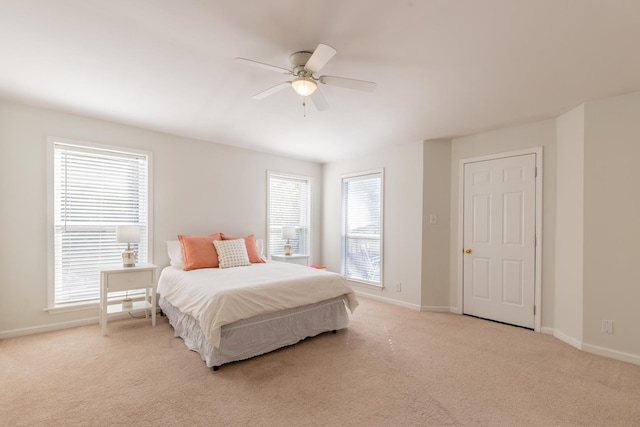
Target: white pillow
column 174, row 248
column 232, row 253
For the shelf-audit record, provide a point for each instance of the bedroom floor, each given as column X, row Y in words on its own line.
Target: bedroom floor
column 393, row 366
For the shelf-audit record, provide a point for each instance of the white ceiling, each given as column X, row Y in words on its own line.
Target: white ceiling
column 444, row 68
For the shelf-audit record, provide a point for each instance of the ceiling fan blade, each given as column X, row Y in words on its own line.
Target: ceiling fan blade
column 348, row 83
column 320, row 57
column 263, row 65
column 271, row 90
column 319, row 100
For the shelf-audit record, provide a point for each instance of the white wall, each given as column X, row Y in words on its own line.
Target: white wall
column 504, row 140
column 195, row 174
column 435, row 236
column 199, row 187
column 569, row 227
column 591, row 220
column 612, row 226
column 402, row 220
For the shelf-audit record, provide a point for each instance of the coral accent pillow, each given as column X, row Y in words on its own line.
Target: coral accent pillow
column 252, row 247
column 232, row 253
column 199, row 251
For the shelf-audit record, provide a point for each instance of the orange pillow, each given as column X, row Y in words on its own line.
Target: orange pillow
column 199, row 251
column 252, row 247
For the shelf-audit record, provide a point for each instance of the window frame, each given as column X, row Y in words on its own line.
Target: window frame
column 91, row 146
column 344, row 237
column 309, row 180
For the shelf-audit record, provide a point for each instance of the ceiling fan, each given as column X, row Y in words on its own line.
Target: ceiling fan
column 304, row 65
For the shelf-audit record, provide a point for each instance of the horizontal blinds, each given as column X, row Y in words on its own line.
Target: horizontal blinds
column 94, row 190
column 289, row 205
column 362, row 202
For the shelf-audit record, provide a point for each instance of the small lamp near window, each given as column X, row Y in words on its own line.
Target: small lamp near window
column 128, row 234
column 288, row 233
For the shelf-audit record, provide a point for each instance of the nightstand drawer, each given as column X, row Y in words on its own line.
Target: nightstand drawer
column 129, row 280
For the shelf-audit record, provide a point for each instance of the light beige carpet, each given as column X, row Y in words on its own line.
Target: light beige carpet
column 392, row 367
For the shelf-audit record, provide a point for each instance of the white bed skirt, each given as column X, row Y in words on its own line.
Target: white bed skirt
column 259, row 334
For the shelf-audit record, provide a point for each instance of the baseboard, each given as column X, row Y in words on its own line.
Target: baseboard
column 436, row 308
column 593, row 349
column 388, row 300
column 431, row 308
column 58, row 326
column 613, row 354
column 567, row 339
column 47, row 328
column 546, row 330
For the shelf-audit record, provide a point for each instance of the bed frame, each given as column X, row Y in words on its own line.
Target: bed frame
column 259, row 334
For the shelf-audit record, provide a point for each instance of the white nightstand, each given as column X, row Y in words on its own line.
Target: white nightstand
column 115, row 278
column 293, row 259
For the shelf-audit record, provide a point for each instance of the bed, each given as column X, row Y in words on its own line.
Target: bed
column 232, row 314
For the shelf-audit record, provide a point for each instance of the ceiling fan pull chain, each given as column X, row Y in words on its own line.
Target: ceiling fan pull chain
column 304, row 106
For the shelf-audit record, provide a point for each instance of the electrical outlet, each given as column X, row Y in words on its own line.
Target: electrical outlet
column 607, row 326
column 433, row 219
column 398, row 287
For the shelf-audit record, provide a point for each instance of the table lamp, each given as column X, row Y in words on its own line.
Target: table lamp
column 128, row 234
column 288, row 233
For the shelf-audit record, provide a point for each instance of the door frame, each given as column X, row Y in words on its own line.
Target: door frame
column 538, row 214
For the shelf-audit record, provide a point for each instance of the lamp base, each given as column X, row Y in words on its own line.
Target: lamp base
column 129, row 258
column 287, row 249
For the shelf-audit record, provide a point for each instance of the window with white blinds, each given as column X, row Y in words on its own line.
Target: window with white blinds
column 362, row 203
column 94, row 190
column 289, row 204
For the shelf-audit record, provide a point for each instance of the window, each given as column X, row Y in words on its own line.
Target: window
column 94, row 189
column 362, row 203
column 289, row 200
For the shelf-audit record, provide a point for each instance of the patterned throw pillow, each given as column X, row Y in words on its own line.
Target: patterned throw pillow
column 232, row 253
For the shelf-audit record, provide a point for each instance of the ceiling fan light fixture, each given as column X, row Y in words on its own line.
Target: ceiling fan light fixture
column 304, row 86
column 303, row 69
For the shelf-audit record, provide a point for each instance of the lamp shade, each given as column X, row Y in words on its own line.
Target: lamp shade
column 127, row 233
column 288, row 233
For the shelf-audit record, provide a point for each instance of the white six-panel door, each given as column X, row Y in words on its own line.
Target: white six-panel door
column 499, row 224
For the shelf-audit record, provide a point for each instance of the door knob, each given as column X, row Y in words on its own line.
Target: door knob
column 467, row 251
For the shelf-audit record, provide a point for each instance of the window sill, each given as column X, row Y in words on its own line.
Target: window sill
column 375, row 286
column 67, row 308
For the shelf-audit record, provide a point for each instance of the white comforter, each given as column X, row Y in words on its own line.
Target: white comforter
column 216, row 297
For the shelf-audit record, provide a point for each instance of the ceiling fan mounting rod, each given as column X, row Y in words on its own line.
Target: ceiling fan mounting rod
column 299, row 60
